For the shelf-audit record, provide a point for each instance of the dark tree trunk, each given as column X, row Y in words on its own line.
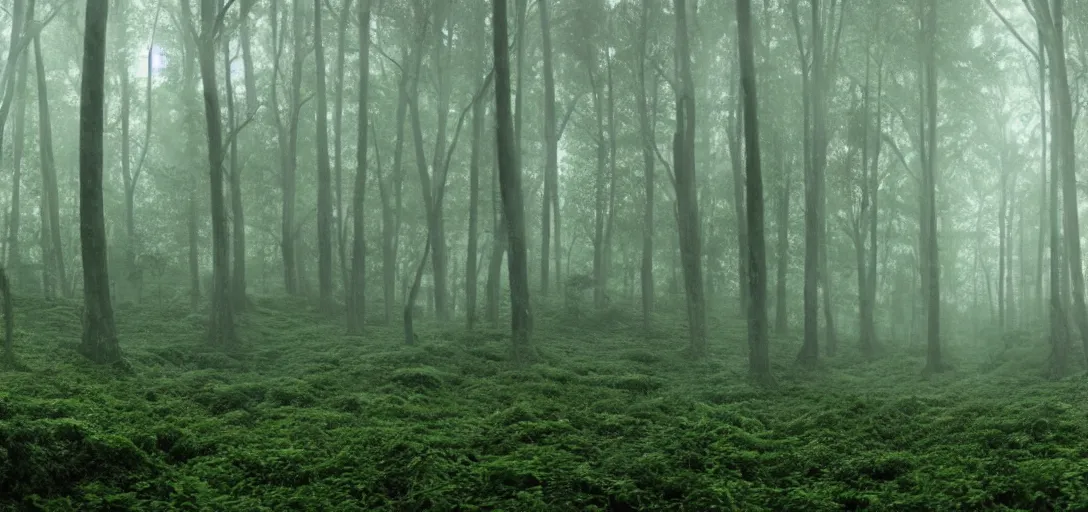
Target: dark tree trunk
column 687, row 205
column 510, row 186
column 324, row 177
column 221, row 327
column 759, row 359
column 99, row 342
column 930, row 261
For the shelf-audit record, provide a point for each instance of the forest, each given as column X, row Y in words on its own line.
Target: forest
column 569, row 255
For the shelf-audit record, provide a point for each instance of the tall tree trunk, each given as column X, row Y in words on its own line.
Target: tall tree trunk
column 759, row 359
column 510, row 186
column 14, row 249
column 610, row 205
column 99, row 342
column 781, row 320
column 49, row 175
column 930, row 261
column 20, row 12
column 192, row 130
column 324, row 178
column 599, row 278
column 246, row 6
column 551, row 148
column 338, row 148
column 126, row 142
column 687, row 201
column 1063, row 127
column 439, row 248
column 735, row 132
column 357, row 293
column 238, row 219
column 646, row 273
column 289, row 185
column 221, row 327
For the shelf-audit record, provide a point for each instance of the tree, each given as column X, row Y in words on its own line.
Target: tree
column 54, row 253
column 551, row 148
column 759, row 358
column 687, row 206
column 324, row 177
column 221, row 328
column 646, row 273
column 510, row 187
column 99, row 342
column 357, row 292
column 931, row 285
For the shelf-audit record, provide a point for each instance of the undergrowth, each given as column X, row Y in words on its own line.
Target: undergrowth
column 611, row 417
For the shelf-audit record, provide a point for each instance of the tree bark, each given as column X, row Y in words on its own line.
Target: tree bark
column 14, row 249
column 759, row 359
column 49, row 176
column 324, row 177
column 221, row 328
column 687, row 202
column 551, row 148
column 238, row 219
column 510, row 187
column 99, row 342
column 646, row 271
column 357, row 294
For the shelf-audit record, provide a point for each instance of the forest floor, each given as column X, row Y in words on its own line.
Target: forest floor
column 612, row 418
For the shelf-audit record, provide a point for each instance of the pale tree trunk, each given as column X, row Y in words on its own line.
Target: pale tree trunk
column 188, row 99
column 610, row 205
column 510, row 185
column 599, row 278
column 324, row 177
column 781, row 320
column 734, row 134
column 14, row 249
column 551, row 147
column 121, row 17
column 646, row 130
column 928, row 136
column 357, row 293
column 246, row 6
column 99, row 342
column 472, row 252
column 289, row 184
column 238, row 240
column 49, row 176
column 340, row 225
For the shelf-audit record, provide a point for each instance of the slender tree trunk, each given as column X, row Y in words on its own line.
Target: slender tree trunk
column 688, row 220
column 759, row 359
column 551, row 147
column 49, row 175
column 781, row 320
column 510, row 186
column 357, row 293
column 338, row 148
column 99, row 342
column 735, row 132
column 324, row 177
column 238, row 219
column 931, row 263
column 221, row 328
column 646, row 273
column 289, row 185
column 14, row 249
column 247, row 56
column 126, row 142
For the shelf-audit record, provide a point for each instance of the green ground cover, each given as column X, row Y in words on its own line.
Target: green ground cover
column 305, row 418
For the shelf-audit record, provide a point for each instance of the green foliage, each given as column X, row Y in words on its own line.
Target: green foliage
column 304, row 417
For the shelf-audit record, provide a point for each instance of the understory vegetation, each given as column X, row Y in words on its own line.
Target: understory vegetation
column 302, row 417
